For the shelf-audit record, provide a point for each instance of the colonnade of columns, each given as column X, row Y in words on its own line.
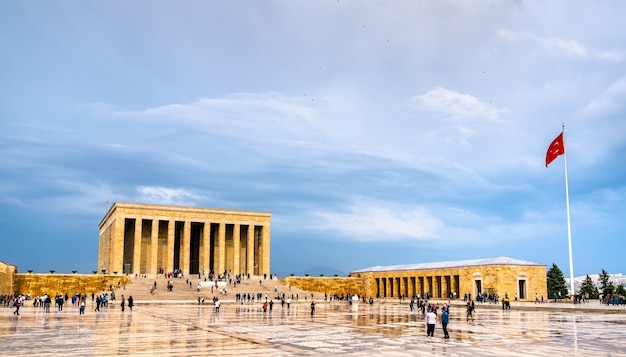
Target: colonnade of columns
column 438, row 286
column 145, row 245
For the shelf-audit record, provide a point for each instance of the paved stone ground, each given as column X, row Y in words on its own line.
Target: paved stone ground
column 174, row 328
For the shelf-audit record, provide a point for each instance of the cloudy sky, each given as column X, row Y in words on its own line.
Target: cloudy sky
column 377, row 133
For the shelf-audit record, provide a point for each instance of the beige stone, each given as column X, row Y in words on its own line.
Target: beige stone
column 52, row 284
column 7, row 273
column 523, row 280
column 326, row 285
column 150, row 239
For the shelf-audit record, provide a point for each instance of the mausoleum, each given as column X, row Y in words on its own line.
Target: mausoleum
column 151, row 239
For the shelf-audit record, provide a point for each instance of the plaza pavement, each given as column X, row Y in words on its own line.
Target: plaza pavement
column 387, row 328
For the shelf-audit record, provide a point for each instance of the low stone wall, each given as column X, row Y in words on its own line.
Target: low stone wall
column 7, row 273
column 52, row 284
column 327, row 285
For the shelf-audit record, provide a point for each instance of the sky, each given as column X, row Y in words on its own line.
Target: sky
column 376, row 133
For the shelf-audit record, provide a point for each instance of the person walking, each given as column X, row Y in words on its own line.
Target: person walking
column 469, row 311
column 82, row 307
column 431, row 320
column 16, row 304
column 123, row 303
column 444, row 322
column 312, row 308
column 130, row 303
column 59, row 301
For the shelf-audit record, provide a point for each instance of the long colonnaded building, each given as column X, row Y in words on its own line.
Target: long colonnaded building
column 455, row 279
column 152, row 239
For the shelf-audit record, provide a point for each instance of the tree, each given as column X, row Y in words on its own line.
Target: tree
column 556, row 282
column 588, row 287
column 606, row 285
column 620, row 290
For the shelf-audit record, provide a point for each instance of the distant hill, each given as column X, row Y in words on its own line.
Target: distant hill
column 617, row 279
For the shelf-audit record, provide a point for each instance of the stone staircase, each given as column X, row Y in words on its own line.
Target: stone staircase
column 140, row 289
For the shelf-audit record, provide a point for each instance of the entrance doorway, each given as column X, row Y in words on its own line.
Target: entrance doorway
column 522, row 289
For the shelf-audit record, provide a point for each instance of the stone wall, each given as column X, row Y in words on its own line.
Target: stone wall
column 499, row 279
column 52, row 284
column 7, row 274
column 327, row 285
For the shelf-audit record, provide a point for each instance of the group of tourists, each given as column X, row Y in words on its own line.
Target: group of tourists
column 430, row 312
column 13, row 301
column 77, row 300
column 613, row 299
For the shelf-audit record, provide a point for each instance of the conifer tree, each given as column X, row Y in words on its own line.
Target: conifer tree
column 606, row 285
column 588, row 287
column 556, row 282
column 620, row 290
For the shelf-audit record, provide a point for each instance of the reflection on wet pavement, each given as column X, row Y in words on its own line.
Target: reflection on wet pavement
column 387, row 329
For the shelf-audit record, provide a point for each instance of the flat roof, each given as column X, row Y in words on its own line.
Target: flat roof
column 158, row 207
column 448, row 264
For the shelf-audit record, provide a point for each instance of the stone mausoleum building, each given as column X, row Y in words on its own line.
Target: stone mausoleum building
column 151, row 239
column 454, row 279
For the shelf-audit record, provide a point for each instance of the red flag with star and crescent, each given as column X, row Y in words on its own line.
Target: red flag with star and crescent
column 555, row 149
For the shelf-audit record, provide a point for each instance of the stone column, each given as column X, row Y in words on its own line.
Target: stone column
column 136, row 268
column 388, row 287
column 250, row 251
column 221, row 249
column 401, row 286
column 116, row 258
column 153, row 268
column 236, row 249
column 454, row 283
column 419, row 286
column 171, row 225
column 186, row 248
column 444, row 287
column 264, row 254
column 205, row 249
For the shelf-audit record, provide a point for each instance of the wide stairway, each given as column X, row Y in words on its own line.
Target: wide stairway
column 186, row 289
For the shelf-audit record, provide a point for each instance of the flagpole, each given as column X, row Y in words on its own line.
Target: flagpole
column 569, row 226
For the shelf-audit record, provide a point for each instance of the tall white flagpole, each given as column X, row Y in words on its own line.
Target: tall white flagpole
column 569, row 226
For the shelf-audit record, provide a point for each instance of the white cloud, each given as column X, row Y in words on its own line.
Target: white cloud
column 456, row 105
column 613, row 56
column 165, row 195
column 569, row 48
column 560, row 46
column 612, row 100
column 382, row 221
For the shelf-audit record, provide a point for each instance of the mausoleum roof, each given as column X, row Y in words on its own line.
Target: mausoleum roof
column 448, row 264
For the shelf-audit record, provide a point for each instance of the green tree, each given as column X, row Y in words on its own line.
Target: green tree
column 556, row 282
column 620, row 290
column 606, row 285
column 588, row 287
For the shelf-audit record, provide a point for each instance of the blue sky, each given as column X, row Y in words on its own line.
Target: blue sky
column 376, row 133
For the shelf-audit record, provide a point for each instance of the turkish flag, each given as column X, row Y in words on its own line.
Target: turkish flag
column 555, row 149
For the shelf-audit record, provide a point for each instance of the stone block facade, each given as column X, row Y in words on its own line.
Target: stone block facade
column 7, row 275
column 12, row 282
column 52, row 284
column 152, row 239
column 326, row 285
column 446, row 280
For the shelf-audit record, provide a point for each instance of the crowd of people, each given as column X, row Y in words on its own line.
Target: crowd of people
column 45, row 301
